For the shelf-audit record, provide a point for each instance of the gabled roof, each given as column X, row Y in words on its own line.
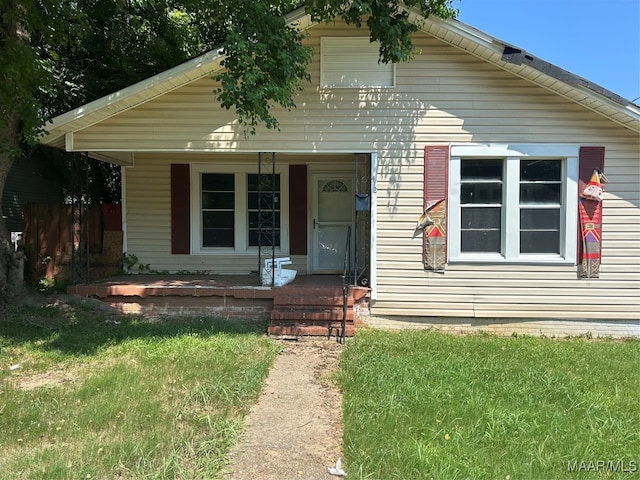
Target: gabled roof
column 460, row 35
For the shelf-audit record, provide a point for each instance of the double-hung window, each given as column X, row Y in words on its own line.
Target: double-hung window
column 236, row 210
column 513, row 203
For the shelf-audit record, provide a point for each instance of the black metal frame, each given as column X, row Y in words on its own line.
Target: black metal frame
column 266, row 216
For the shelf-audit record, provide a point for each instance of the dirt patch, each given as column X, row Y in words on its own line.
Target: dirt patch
column 34, row 381
column 294, row 431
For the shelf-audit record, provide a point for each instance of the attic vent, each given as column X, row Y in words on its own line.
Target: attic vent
column 352, row 62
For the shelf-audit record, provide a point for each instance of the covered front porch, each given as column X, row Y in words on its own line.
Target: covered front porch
column 312, row 305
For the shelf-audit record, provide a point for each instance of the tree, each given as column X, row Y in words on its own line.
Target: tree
column 59, row 54
column 24, row 78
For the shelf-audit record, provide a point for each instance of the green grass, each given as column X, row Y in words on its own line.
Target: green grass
column 421, row 405
column 136, row 399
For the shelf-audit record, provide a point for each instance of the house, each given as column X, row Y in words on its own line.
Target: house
column 496, row 144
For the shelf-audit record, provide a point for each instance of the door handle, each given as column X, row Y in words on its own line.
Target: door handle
column 314, row 223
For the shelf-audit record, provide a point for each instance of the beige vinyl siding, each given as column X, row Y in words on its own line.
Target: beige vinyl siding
column 444, row 96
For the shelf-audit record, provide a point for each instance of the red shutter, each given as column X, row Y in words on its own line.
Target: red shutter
column 590, row 158
column 436, row 169
column 298, row 209
column 180, row 209
column 436, row 186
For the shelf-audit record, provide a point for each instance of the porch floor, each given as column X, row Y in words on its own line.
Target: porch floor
column 310, row 305
column 144, row 285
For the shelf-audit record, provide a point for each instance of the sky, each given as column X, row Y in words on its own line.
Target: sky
column 595, row 39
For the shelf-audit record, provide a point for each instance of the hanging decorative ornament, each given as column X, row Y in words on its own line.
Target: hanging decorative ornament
column 593, row 190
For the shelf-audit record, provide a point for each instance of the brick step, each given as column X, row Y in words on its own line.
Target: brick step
column 303, row 330
column 308, row 314
column 307, row 300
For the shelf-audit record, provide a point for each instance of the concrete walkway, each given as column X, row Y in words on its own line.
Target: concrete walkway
column 294, row 431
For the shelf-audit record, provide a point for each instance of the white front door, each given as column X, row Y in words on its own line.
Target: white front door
column 333, row 213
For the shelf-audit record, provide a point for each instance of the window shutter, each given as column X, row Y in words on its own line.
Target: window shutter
column 590, row 214
column 591, row 158
column 298, row 209
column 180, row 209
column 436, row 169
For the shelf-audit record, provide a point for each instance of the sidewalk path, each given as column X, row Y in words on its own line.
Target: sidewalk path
column 294, row 431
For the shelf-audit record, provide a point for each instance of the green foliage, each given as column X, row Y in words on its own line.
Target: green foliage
column 388, row 21
column 265, row 63
column 425, row 405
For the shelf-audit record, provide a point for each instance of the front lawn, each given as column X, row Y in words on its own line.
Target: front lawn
column 422, row 405
column 87, row 395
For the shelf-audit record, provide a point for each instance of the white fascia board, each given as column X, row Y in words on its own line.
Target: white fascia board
column 124, row 159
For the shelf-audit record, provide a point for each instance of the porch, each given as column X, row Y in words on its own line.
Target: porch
column 312, row 305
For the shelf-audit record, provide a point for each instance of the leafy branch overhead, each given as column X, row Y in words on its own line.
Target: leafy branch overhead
column 267, row 63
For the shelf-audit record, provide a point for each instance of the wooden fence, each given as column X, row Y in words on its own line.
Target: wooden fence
column 50, row 233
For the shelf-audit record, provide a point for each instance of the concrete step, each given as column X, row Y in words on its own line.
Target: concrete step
column 310, row 314
column 306, row 330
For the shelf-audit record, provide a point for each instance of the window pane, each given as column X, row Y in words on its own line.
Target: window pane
column 268, row 200
column 540, row 230
column 481, row 193
column 267, row 220
column 540, row 218
column 265, row 182
column 481, row 227
column 217, row 237
column 219, row 182
column 217, row 200
column 540, row 193
column 480, row 241
column 474, row 218
column 532, row 241
column 214, row 219
column 471, row 169
column 266, row 238
column 540, row 170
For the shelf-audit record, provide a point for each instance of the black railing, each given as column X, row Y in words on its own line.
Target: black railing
column 346, row 271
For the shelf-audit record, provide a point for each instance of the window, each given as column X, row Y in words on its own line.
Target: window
column 218, row 209
column 353, row 62
column 232, row 206
column 513, row 203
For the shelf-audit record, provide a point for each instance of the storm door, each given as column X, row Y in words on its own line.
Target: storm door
column 332, row 217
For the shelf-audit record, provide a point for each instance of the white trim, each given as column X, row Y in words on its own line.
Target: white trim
column 123, row 206
column 373, row 254
column 512, row 154
column 68, row 141
column 499, row 150
column 240, row 218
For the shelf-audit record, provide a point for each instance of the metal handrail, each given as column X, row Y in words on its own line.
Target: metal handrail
column 345, row 287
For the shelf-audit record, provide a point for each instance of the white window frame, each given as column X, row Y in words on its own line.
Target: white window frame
column 512, row 154
column 241, row 221
column 344, row 54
